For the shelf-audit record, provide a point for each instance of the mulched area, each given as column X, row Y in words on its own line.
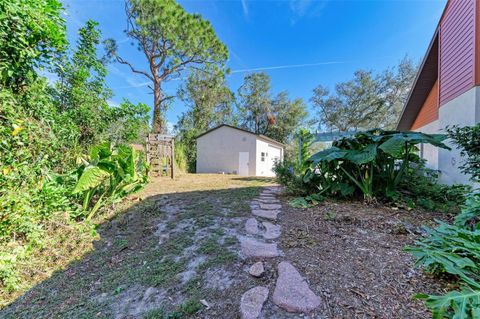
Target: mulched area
column 352, row 256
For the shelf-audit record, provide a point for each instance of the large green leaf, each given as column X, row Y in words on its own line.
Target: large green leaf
column 101, row 151
column 91, row 177
column 366, row 155
column 328, row 155
column 463, row 304
column 396, row 143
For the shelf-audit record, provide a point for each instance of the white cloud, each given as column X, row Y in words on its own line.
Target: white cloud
column 302, row 8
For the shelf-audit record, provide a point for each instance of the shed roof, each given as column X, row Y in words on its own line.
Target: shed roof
column 260, row 136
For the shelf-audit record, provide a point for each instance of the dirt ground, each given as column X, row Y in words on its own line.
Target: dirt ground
column 352, row 254
column 173, row 252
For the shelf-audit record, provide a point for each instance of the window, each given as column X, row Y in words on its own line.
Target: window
column 262, row 156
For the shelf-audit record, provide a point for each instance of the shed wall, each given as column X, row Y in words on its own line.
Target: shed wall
column 218, row 151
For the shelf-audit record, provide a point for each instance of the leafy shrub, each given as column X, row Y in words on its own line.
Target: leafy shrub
column 374, row 162
column 468, row 140
column 453, row 250
column 423, row 190
column 286, row 175
column 107, row 174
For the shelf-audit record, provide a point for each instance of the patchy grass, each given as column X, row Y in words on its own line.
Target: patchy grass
column 166, row 239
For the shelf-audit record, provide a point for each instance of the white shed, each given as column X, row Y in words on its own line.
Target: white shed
column 231, row 150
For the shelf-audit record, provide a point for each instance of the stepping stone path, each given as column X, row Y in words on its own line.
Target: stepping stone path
column 257, row 269
column 268, row 214
column 252, row 302
column 272, row 231
column 270, row 206
column 251, row 226
column 291, row 292
column 256, row 249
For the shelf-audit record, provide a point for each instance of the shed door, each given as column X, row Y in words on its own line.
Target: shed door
column 243, row 163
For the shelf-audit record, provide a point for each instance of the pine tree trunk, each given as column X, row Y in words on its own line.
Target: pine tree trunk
column 158, row 122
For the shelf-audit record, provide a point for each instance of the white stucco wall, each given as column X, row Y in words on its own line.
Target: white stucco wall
column 218, row 151
column 264, row 168
column 464, row 111
column 427, row 151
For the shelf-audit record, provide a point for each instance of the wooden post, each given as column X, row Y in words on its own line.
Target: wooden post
column 172, row 163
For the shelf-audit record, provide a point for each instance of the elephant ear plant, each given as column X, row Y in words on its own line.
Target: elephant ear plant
column 373, row 162
column 107, row 174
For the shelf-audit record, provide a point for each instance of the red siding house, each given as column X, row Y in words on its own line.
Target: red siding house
column 447, row 87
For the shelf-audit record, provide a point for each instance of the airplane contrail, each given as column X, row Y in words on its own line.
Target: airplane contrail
column 288, row 66
column 265, row 68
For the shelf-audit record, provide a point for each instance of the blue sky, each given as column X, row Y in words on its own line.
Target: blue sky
column 300, row 44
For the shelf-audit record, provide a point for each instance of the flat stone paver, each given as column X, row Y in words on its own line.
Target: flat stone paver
column 268, row 214
column 292, row 292
column 270, row 206
column 251, row 226
column 257, row 269
column 267, row 201
column 257, row 249
column 252, row 302
column 272, row 231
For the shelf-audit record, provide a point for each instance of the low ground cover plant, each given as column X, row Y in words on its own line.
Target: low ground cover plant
column 453, row 249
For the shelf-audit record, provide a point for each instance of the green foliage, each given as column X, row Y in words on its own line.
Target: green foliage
column 307, row 201
column 367, row 101
column 286, row 175
column 31, row 33
column 108, row 174
column 276, row 117
column 470, row 211
column 45, row 128
column 81, row 93
column 468, row 140
column 368, row 161
column 210, row 103
column 463, row 304
column 424, row 190
column 172, row 40
column 453, row 250
column 305, row 139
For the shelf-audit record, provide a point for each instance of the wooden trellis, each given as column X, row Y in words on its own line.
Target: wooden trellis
column 160, row 154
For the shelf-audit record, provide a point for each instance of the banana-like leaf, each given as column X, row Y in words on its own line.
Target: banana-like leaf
column 366, row 155
column 91, row 177
column 395, row 145
column 463, row 304
column 328, row 155
column 101, row 151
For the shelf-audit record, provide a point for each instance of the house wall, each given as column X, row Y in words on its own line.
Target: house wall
column 464, row 111
column 218, row 150
column 429, row 110
column 265, row 168
column 427, row 151
column 457, row 49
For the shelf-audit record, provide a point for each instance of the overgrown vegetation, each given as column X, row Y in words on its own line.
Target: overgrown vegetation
column 377, row 165
column 453, row 249
column 46, row 128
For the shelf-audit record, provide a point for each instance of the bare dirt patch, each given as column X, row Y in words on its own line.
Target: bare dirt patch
column 173, row 248
column 352, row 255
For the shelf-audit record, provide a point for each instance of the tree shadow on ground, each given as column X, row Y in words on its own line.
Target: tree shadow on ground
column 157, row 258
